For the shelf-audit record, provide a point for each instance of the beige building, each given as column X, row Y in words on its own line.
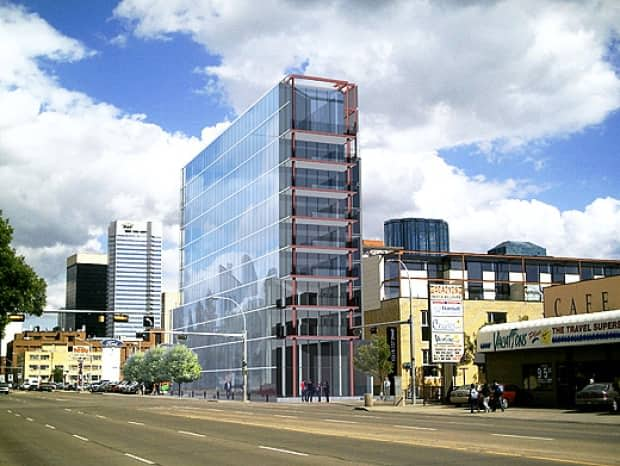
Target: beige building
column 596, row 295
column 170, row 300
column 82, row 365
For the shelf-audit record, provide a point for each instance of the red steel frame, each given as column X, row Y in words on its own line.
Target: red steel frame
column 349, row 91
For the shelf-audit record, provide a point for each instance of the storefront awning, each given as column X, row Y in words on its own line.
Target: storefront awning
column 576, row 330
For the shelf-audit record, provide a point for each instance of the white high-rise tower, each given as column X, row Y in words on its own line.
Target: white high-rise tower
column 134, row 275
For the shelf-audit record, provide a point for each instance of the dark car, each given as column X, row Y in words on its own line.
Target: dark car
column 602, row 395
column 46, row 387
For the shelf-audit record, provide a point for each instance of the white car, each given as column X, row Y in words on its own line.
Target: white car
column 4, row 388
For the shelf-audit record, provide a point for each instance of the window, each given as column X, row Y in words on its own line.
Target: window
column 424, row 318
column 496, row 317
column 425, row 357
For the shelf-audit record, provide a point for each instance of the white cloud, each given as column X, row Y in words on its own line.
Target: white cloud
column 70, row 165
column 431, row 75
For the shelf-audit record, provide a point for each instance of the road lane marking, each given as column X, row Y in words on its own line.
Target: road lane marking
column 80, row 412
column 100, row 416
column 84, row 439
column 280, row 450
column 412, row 427
column 194, row 434
column 524, row 437
column 135, row 423
column 50, row 427
column 215, row 409
column 18, row 415
column 286, row 416
column 9, row 411
column 137, row 458
column 68, row 410
column 341, row 422
column 367, row 416
column 29, row 419
column 245, row 413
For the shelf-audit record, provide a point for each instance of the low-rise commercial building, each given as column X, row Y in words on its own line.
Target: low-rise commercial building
column 496, row 289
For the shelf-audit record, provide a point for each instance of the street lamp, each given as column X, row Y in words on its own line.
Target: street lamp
column 411, row 332
column 244, row 360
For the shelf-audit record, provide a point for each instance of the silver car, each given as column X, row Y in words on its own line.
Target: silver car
column 4, row 388
column 601, row 395
column 460, row 395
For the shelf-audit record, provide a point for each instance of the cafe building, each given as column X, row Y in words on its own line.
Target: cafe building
column 552, row 358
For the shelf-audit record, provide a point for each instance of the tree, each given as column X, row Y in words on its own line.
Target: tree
column 181, row 365
column 373, row 358
column 21, row 289
column 154, row 368
column 57, row 374
column 135, row 368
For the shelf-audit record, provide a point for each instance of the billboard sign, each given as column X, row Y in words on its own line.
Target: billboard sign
column 445, row 304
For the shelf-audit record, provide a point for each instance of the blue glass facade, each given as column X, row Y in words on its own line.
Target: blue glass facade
column 270, row 226
column 417, row 234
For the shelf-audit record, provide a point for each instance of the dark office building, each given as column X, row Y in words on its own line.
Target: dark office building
column 417, row 234
column 518, row 248
column 86, row 289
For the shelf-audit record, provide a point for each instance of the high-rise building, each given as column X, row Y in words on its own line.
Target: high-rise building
column 134, row 275
column 87, row 290
column 170, row 300
column 417, row 234
column 270, row 229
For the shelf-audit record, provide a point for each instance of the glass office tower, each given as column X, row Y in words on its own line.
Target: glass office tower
column 417, row 234
column 270, row 229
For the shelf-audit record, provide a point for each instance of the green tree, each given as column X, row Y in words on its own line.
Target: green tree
column 57, row 374
column 135, row 368
column 373, row 358
column 182, row 365
column 21, row 289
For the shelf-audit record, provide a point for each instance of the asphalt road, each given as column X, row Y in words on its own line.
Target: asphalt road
column 71, row 428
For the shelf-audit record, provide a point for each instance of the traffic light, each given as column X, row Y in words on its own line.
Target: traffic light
column 101, row 318
column 146, row 336
column 121, row 318
column 16, row 317
column 148, row 321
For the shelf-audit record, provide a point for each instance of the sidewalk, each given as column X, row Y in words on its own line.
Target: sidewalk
column 532, row 414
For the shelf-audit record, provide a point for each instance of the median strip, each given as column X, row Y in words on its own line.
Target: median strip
column 523, row 436
column 280, row 450
column 137, row 458
column 79, row 437
column 194, row 434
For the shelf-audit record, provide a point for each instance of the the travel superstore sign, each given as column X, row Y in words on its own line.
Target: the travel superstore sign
column 445, row 304
column 599, row 329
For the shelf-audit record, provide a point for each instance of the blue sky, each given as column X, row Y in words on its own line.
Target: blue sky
column 499, row 117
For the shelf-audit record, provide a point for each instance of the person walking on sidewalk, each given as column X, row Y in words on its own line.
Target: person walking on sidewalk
column 473, row 399
column 498, row 399
column 326, row 390
column 486, row 396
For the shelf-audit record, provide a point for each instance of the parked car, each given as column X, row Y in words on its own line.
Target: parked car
column 460, row 395
column 31, row 387
column 46, row 387
column 602, row 395
column 4, row 388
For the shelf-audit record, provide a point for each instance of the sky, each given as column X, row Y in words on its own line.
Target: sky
column 498, row 117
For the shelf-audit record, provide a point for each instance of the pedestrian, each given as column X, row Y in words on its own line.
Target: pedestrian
column 486, row 396
column 498, row 401
column 309, row 391
column 303, row 390
column 473, row 399
column 326, row 390
column 227, row 389
column 318, row 390
column 386, row 388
